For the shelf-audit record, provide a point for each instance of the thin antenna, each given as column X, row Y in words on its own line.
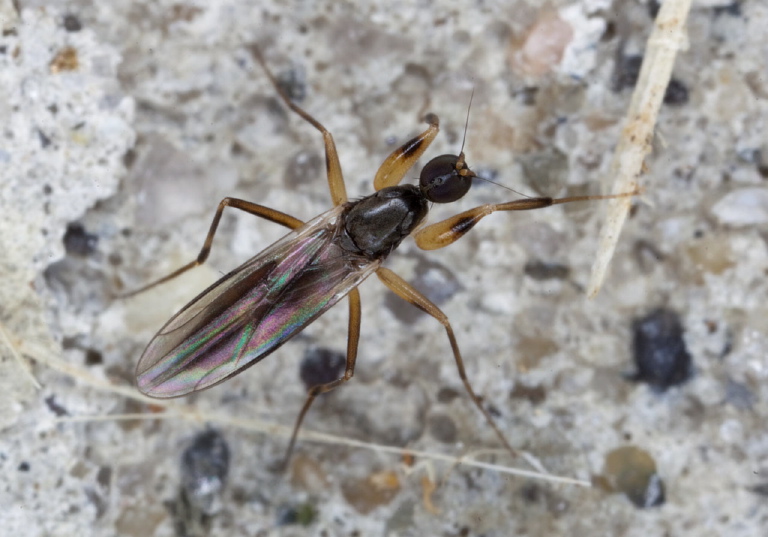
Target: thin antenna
column 466, row 123
column 502, row 186
column 463, row 141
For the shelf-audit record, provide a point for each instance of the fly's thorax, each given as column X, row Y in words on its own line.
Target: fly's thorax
column 376, row 224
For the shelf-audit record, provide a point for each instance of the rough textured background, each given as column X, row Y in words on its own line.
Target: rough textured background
column 125, row 122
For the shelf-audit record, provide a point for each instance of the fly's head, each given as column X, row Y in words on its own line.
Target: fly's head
column 446, row 178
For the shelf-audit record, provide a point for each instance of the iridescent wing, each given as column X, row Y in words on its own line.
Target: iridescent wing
column 252, row 310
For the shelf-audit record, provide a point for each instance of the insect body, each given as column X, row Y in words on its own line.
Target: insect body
column 257, row 307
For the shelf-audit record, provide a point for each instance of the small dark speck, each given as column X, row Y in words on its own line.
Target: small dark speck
column 204, row 469
column 527, row 95
column 733, row 9
column 446, row 395
column 129, row 158
column 237, row 149
column 739, row 395
column 761, row 489
column 727, row 345
column 610, row 32
column 294, row 83
column 303, row 514
column 24, row 467
column 3, row 49
column 653, row 8
column 676, row 94
column 79, row 242
column 626, row 72
column 104, row 477
column 72, row 23
column 44, row 140
column 321, row 366
column 115, row 259
column 531, row 492
column 55, row 407
column 541, row 270
column 443, row 428
column 93, row 357
column 661, row 357
column 535, row 394
column 47, row 190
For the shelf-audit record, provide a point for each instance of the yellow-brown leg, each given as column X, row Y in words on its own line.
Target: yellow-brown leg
column 408, row 293
column 452, row 229
column 397, row 164
column 353, row 339
column 252, row 208
column 332, row 164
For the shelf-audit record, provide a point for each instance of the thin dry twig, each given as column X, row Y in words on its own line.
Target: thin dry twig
column 18, row 357
column 186, row 412
column 39, row 355
column 273, row 429
column 668, row 36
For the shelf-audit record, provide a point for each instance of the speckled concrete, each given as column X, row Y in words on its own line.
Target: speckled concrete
column 132, row 119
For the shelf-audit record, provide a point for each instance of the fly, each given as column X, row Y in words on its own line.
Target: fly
column 257, row 307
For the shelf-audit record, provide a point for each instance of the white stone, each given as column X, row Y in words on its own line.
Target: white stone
column 743, row 207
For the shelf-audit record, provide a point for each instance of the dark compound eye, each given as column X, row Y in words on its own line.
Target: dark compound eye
column 445, row 178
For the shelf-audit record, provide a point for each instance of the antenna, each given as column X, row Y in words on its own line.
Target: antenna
column 463, row 141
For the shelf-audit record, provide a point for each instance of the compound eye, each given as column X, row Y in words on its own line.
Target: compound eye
column 445, row 179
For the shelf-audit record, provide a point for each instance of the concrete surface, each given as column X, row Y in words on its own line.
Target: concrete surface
column 126, row 122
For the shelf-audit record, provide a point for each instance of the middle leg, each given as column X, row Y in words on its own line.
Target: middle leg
column 353, row 340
